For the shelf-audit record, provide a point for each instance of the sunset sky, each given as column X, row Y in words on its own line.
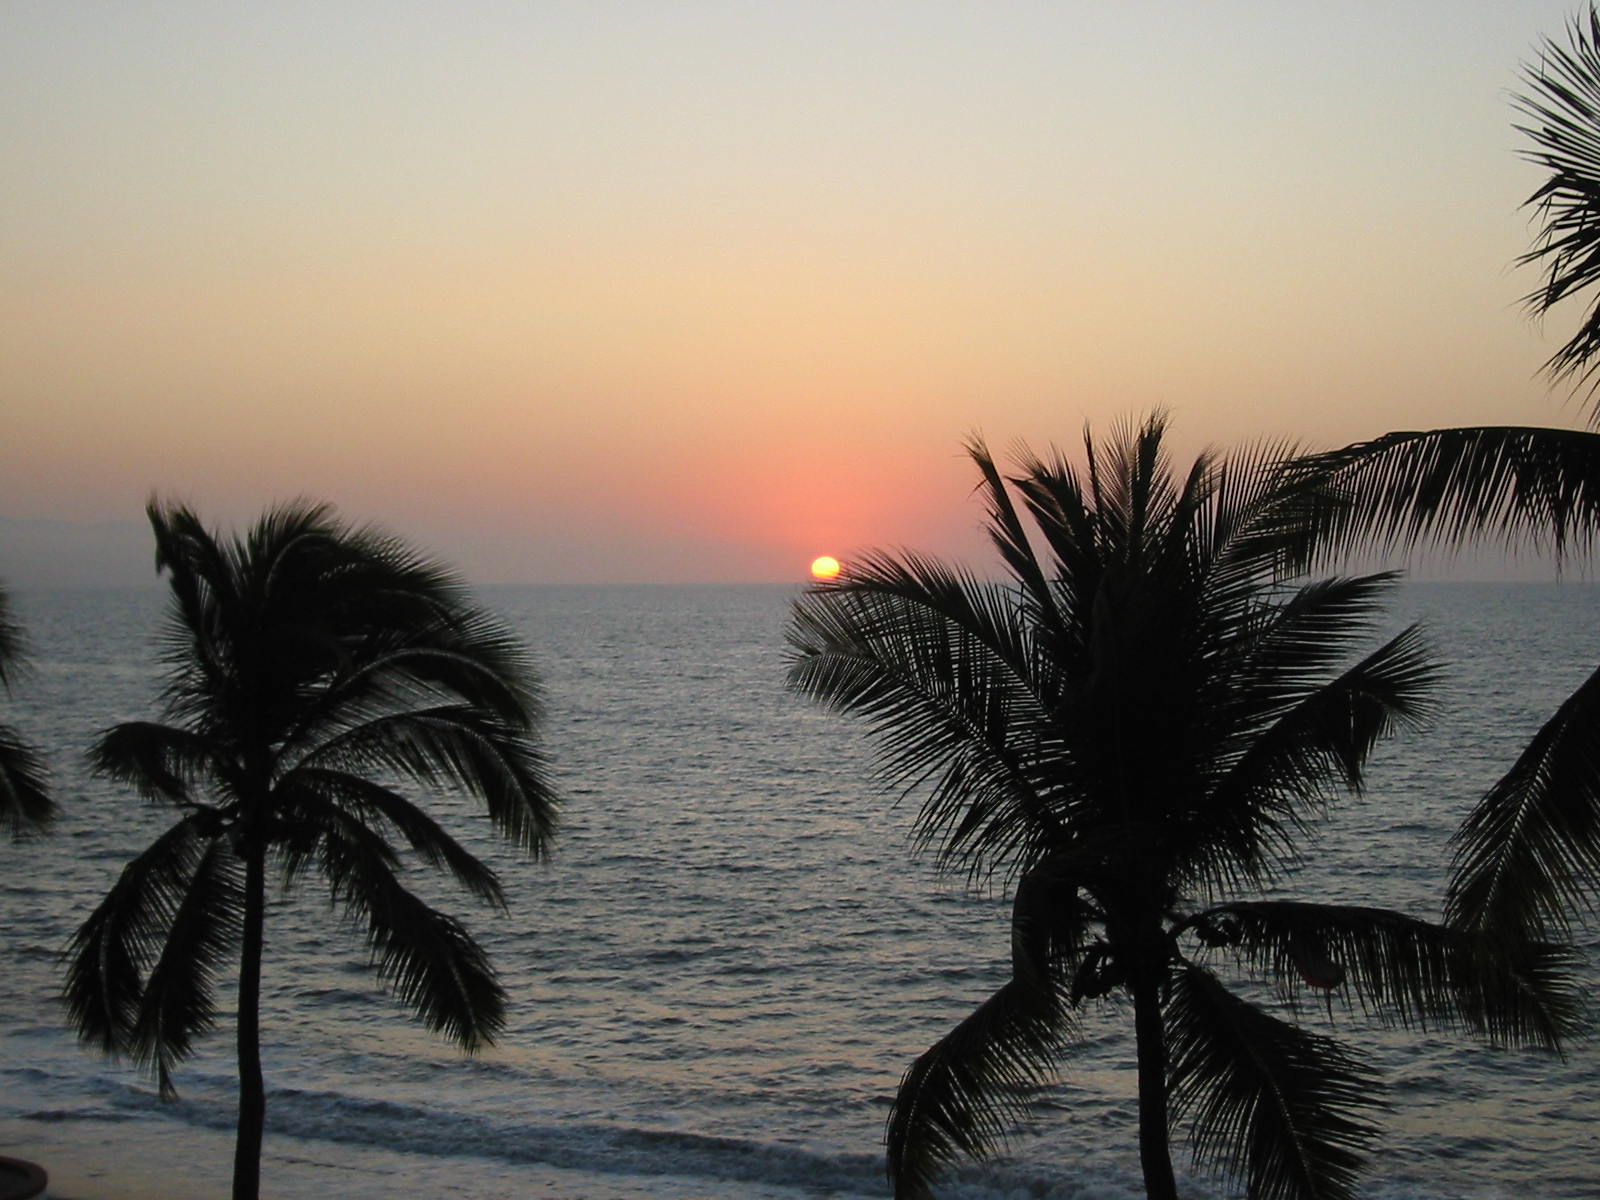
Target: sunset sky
column 698, row 291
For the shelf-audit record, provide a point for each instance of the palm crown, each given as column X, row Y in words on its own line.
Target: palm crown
column 1135, row 724
column 313, row 671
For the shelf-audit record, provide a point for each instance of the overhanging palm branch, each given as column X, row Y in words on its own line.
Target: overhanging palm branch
column 1529, row 854
column 1523, row 486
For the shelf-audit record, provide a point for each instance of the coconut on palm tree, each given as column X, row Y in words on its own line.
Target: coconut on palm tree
column 25, row 804
column 317, row 674
column 1133, row 728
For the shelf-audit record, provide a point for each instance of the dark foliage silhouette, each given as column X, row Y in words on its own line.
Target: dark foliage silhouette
column 1528, row 858
column 1133, row 729
column 315, row 671
column 25, row 804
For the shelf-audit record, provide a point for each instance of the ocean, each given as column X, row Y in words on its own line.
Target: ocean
column 733, row 955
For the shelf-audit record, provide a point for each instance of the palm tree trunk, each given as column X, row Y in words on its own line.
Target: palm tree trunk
column 252, row 1091
column 1150, row 1036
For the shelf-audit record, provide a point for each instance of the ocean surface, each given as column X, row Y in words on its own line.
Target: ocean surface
column 719, row 978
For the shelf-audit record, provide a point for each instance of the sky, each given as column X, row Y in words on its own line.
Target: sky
column 670, row 291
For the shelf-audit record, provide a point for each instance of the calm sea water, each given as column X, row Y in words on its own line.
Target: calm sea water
column 721, row 975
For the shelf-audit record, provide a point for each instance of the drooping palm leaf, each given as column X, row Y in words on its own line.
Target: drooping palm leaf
column 1284, row 1109
column 374, row 805
column 178, row 1001
column 1403, row 970
column 1528, row 855
column 453, row 746
column 160, row 761
column 112, row 952
column 426, row 957
column 25, row 802
column 966, row 1094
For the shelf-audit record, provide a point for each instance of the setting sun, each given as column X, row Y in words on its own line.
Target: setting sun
column 825, row 567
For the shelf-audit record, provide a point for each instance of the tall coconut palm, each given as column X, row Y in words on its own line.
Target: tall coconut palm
column 1528, row 858
column 25, row 804
column 1133, row 729
column 315, row 671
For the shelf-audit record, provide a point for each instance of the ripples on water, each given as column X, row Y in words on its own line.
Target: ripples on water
column 732, row 957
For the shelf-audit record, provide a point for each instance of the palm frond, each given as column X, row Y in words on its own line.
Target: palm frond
column 454, row 745
column 1284, row 1109
column 965, row 1095
column 1320, row 735
column 427, row 958
column 10, row 643
column 161, row 762
column 1010, row 538
column 113, row 950
column 25, row 803
column 202, row 580
column 1267, row 518
column 1564, row 108
column 178, row 1001
column 1403, row 970
column 945, row 676
column 375, row 805
column 1525, row 487
column 1529, row 853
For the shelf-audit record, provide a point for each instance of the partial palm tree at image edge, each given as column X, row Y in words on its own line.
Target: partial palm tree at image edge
column 25, row 804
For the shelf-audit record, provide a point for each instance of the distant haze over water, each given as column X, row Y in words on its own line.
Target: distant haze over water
column 56, row 553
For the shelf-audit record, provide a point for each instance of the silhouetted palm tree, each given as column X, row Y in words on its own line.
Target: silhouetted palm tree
column 313, row 670
column 1528, row 857
column 25, row 803
column 1133, row 728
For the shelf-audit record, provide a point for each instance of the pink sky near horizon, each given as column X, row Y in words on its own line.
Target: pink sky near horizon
column 698, row 291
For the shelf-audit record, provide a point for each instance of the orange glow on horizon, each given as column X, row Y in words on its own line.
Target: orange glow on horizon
column 824, row 567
